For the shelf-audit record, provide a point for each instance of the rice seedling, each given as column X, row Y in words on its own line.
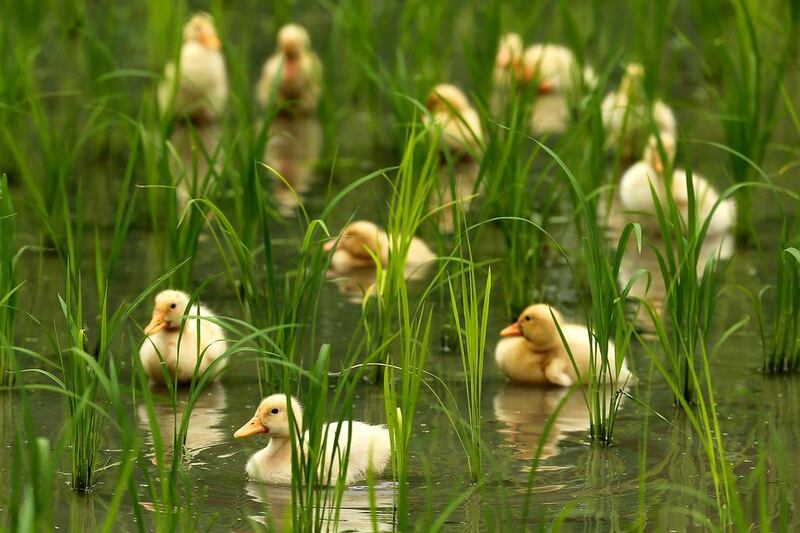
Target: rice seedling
column 754, row 65
column 8, row 283
column 465, row 300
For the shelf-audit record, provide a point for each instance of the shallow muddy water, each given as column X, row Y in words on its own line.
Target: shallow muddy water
column 656, row 466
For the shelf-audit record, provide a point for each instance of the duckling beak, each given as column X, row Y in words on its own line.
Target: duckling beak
column 330, row 245
column 512, row 331
column 210, row 40
column 253, row 427
column 545, row 87
column 503, row 59
column 158, row 322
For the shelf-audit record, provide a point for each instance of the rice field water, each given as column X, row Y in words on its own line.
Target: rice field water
column 399, row 266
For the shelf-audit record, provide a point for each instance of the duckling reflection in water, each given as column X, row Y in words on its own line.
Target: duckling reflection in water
column 532, row 350
column 369, row 446
column 292, row 151
column 525, row 412
column 355, row 513
column 203, row 431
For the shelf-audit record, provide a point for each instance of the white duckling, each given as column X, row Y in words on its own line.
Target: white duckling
column 506, row 66
column 459, row 122
column 533, row 352
column 199, row 90
column 295, row 68
column 369, row 446
column 360, row 240
column 626, row 118
column 635, row 194
column 180, row 341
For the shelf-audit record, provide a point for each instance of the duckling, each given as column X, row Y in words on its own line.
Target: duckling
column 180, row 343
column 369, row 446
column 506, row 66
column 533, row 352
column 461, row 127
column 362, row 238
column 635, row 195
column 199, row 90
column 626, row 118
column 299, row 69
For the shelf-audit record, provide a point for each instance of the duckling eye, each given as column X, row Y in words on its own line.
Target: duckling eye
column 172, row 306
column 527, row 319
column 274, row 411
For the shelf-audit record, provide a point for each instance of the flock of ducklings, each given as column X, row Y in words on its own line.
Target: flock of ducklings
column 181, row 340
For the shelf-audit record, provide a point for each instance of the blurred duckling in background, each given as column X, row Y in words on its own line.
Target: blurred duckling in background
column 460, row 125
column 198, row 91
column 360, row 240
column 296, row 70
column 559, row 81
column 177, row 339
column 635, row 193
column 506, row 67
column 626, row 116
column 293, row 149
column 369, row 446
column 532, row 350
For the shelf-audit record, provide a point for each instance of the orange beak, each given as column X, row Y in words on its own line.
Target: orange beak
column 210, row 40
column 658, row 166
column 330, row 245
column 503, row 59
column 512, row 331
column 545, row 88
column 253, row 427
column 157, row 323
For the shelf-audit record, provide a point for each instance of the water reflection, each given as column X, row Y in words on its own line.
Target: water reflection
column 293, row 149
column 205, row 429
column 355, row 513
column 524, row 411
column 195, row 160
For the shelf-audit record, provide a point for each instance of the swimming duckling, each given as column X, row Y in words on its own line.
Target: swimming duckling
column 533, row 352
column 299, row 69
column 506, row 66
column 199, row 90
column 181, row 342
column 461, row 127
column 626, row 118
column 361, row 238
column 635, row 195
column 369, row 446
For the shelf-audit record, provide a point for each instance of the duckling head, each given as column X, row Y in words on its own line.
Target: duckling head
column 168, row 311
column 509, row 51
column 272, row 417
column 536, row 325
column 652, row 153
column 200, row 28
column 293, row 41
column 446, row 98
column 358, row 239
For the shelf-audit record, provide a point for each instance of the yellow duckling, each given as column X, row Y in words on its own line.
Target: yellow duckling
column 506, row 66
column 199, row 90
column 461, row 127
column 299, row 69
column 361, row 238
column 176, row 336
column 635, row 194
column 369, row 446
column 533, row 352
column 626, row 118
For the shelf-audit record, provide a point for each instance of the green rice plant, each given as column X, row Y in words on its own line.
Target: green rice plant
column 653, row 21
column 605, row 311
column 754, row 68
column 8, row 283
column 465, row 300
